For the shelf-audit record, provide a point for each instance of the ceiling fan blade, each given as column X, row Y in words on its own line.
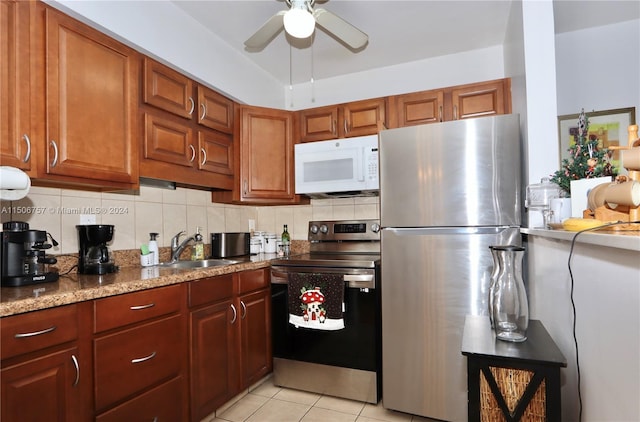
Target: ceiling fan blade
column 267, row 32
column 341, row 29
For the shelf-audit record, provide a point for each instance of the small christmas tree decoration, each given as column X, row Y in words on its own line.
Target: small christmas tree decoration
column 586, row 159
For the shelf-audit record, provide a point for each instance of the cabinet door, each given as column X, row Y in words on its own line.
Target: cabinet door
column 15, row 127
column 215, row 152
column 42, row 389
column 167, row 89
column 418, row 108
column 213, row 362
column 215, row 111
column 318, row 124
column 169, row 141
column 483, row 99
column 361, row 117
column 92, row 91
column 255, row 334
column 266, row 156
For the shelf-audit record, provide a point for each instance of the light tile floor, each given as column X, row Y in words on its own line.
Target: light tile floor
column 269, row 403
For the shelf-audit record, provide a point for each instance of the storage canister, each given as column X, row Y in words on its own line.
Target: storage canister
column 270, row 243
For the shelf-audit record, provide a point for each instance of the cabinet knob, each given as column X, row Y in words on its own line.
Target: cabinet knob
column 28, row 154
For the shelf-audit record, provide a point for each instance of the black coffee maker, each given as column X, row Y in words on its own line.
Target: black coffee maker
column 94, row 256
column 24, row 260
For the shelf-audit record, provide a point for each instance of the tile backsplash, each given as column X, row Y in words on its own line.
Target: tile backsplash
column 167, row 212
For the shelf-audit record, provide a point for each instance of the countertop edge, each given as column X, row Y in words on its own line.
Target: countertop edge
column 55, row 299
column 619, row 241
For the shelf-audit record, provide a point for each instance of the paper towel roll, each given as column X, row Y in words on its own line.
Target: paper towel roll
column 14, row 183
column 631, row 158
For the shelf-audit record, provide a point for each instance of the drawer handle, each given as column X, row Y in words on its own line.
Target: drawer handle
column 54, row 162
column 204, row 111
column 35, row 333
column 144, row 359
column 204, row 156
column 235, row 314
column 75, row 365
column 140, row 307
column 244, row 310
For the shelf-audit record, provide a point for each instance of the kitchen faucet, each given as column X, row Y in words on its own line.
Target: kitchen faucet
column 176, row 249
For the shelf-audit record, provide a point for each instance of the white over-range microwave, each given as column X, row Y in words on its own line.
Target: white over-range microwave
column 337, row 168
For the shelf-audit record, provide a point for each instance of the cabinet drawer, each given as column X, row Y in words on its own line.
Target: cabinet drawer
column 131, row 360
column 38, row 330
column 163, row 403
column 253, row 280
column 211, row 289
column 118, row 311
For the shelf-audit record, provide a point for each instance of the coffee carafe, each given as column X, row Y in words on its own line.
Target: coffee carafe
column 24, row 260
column 94, row 256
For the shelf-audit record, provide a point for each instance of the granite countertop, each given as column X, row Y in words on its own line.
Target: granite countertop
column 73, row 287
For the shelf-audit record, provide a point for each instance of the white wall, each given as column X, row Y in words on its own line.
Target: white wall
column 599, row 68
column 439, row 72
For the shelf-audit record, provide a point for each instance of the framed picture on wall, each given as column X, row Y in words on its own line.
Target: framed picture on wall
column 608, row 126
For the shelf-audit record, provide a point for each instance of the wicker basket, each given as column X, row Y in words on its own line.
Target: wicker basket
column 512, row 384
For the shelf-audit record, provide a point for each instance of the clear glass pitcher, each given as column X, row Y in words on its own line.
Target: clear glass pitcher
column 510, row 309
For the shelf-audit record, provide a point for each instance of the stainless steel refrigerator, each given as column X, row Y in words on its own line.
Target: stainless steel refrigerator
column 447, row 192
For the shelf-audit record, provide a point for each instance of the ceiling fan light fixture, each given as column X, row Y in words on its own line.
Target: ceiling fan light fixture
column 299, row 23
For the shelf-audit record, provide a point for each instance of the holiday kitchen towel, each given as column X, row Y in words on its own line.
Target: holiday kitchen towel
column 316, row 301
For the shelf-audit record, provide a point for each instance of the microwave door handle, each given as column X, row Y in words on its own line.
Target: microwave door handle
column 361, row 166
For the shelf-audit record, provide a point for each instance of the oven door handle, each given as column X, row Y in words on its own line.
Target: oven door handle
column 360, row 280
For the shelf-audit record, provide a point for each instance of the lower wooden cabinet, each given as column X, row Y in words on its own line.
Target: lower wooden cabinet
column 45, row 388
column 46, row 363
column 230, row 341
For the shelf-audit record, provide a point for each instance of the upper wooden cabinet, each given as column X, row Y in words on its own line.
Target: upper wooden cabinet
column 345, row 120
column 454, row 103
column 16, row 148
column 91, row 85
column 265, row 157
column 183, row 137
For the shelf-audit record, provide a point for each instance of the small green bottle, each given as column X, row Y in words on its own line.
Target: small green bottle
column 285, row 235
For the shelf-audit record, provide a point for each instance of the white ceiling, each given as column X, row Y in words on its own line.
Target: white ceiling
column 399, row 31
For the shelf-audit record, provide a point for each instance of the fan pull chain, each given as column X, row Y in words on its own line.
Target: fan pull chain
column 313, row 87
column 290, row 76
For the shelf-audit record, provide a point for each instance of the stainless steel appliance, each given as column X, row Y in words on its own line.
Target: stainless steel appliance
column 337, row 168
column 24, row 260
column 94, row 256
column 448, row 191
column 346, row 362
column 224, row 245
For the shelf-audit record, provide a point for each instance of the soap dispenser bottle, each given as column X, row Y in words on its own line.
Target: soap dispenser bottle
column 197, row 250
column 153, row 248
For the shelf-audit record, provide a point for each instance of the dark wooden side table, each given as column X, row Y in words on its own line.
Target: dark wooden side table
column 511, row 381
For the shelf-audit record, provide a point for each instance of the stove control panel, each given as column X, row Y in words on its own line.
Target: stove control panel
column 343, row 230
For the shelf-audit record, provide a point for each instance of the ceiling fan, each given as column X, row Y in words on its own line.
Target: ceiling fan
column 299, row 22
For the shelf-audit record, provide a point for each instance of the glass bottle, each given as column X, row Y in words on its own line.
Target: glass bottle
column 492, row 280
column 286, row 241
column 510, row 308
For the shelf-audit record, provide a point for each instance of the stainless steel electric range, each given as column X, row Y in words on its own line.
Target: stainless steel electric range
column 344, row 362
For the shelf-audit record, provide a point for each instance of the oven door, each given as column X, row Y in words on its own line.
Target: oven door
column 356, row 346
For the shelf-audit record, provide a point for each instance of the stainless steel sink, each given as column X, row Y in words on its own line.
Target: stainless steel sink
column 205, row 263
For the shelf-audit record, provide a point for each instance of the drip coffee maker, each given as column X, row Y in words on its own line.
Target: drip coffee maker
column 24, row 260
column 94, row 256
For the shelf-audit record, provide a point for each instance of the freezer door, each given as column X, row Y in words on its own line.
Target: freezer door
column 461, row 173
column 431, row 279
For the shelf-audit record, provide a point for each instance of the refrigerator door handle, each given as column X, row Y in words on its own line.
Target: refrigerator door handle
column 408, row 231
